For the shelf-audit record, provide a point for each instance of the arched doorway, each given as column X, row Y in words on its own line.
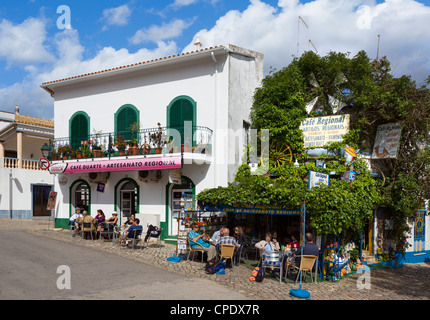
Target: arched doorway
column 126, row 198
column 80, row 196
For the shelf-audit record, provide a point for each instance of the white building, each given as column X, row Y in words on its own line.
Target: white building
column 24, row 187
column 209, row 91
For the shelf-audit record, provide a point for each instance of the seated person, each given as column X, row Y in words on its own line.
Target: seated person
column 217, row 234
column 131, row 231
column 294, row 243
column 109, row 224
column 268, row 245
column 86, row 218
column 75, row 217
column 244, row 242
column 309, row 249
column 196, row 240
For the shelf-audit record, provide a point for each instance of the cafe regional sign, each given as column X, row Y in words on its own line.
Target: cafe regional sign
column 322, row 130
column 164, row 163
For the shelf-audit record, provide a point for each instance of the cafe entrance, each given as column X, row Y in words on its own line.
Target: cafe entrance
column 128, row 199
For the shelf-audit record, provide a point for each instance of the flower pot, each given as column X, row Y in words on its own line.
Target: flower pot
column 157, row 150
column 97, row 153
column 121, row 152
column 134, row 150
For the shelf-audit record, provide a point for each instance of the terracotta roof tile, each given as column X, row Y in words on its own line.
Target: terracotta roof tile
column 34, row 121
column 130, row 65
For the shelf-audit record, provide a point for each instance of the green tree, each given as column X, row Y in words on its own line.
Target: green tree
column 372, row 96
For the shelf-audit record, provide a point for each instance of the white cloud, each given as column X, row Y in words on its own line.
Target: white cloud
column 69, row 62
column 24, row 43
column 156, row 33
column 116, row 16
column 334, row 25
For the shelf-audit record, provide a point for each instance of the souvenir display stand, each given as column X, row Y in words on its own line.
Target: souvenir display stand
column 334, row 265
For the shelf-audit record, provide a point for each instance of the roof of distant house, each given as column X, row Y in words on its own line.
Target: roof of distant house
column 34, row 121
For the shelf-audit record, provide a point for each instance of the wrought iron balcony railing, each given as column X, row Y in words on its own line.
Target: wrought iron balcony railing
column 161, row 140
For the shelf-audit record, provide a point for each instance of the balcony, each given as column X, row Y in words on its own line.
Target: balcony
column 141, row 142
column 13, row 163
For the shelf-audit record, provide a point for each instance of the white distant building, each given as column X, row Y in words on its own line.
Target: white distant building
column 210, row 91
column 24, row 187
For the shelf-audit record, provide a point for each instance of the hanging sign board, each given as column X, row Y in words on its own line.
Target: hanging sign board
column 316, row 178
column 51, row 200
column 387, row 141
column 175, row 176
column 322, row 130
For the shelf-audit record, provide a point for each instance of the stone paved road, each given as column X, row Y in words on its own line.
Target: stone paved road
column 411, row 282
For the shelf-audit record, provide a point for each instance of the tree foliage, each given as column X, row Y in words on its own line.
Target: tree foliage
column 372, row 96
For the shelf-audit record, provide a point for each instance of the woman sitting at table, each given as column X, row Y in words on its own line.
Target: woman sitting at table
column 196, row 241
column 268, row 245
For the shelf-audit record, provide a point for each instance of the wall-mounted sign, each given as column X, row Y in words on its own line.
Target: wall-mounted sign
column 175, row 176
column 101, row 187
column 316, row 178
column 322, row 130
column 387, row 141
column 164, row 163
column 44, row 163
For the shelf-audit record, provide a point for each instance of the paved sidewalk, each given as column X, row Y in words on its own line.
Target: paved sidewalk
column 411, row 282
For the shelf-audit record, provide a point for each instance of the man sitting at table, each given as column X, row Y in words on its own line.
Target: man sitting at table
column 131, row 231
column 196, row 241
column 309, row 249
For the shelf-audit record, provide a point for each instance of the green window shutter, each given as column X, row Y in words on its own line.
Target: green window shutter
column 125, row 117
column 180, row 111
column 78, row 130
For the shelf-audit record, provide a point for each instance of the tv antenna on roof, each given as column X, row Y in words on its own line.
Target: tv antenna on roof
column 298, row 32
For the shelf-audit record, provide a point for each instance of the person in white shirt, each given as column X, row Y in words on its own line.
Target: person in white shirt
column 75, row 217
column 217, row 234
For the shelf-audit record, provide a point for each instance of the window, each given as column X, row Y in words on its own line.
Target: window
column 79, row 127
column 124, row 118
column 182, row 109
column 82, row 196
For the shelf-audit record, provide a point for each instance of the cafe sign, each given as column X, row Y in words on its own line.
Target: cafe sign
column 319, row 131
column 255, row 209
column 164, row 163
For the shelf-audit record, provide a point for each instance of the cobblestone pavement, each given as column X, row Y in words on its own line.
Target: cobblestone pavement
column 411, row 282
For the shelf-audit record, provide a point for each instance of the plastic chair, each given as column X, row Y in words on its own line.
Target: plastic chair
column 307, row 264
column 227, row 252
column 272, row 260
column 198, row 248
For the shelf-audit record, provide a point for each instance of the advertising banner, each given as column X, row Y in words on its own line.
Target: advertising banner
column 387, row 141
column 164, row 163
column 322, row 130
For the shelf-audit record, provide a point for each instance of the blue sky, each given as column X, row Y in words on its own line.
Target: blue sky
column 106, row 34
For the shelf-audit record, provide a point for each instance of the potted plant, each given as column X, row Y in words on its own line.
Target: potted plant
column 158, row 139
column 133, row 143
column 145, row 147
column 85, row 148
column 120, row 144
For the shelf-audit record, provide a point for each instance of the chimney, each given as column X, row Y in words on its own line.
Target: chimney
column 16, row 109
